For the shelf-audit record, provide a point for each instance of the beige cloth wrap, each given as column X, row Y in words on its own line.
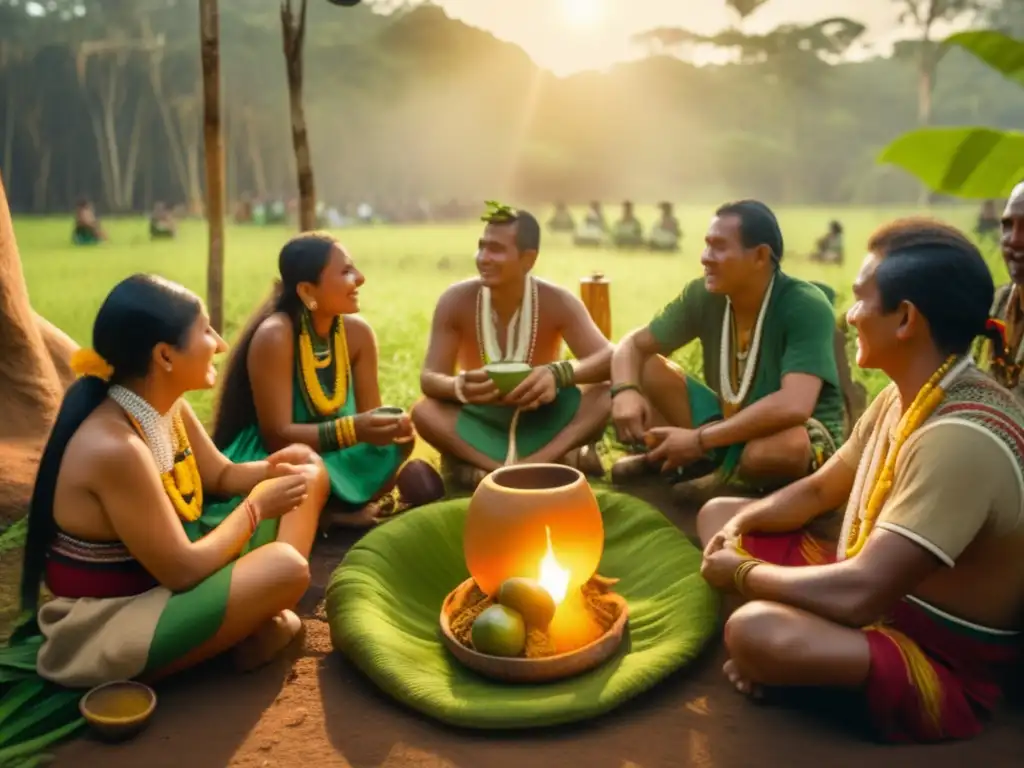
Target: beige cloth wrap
column 91, row 641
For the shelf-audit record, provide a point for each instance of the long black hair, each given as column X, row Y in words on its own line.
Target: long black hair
column 302, row 260
column 139, row 313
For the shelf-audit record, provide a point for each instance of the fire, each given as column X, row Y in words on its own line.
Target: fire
column 553, row 577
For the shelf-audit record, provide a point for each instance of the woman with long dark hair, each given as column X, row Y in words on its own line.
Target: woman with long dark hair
column 305, row 371
column 115, row 528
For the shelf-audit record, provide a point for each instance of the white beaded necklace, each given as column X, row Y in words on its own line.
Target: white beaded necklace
column 725, row 360
column 156, row 429
column 521, row 334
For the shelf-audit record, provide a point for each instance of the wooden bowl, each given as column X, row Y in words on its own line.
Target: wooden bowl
column 543, row 670
column 118, row 710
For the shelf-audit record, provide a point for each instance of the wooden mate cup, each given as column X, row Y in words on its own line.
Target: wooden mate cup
column 595, row 292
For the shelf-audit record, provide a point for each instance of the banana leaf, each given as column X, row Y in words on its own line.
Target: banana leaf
column 972, row 162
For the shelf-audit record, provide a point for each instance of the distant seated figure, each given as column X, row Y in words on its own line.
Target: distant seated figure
column 666, row 233
column 628, row 232
column 592, row 229
column 87, row 229
column 829, row 247
column 507, row 315
column 277, row 212
column 988, row 220
column 259, row 212
column 243, row 210
column 562, row 220
column 161, row 223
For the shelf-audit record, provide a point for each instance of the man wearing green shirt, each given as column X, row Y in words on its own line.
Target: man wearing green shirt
column 770, row 409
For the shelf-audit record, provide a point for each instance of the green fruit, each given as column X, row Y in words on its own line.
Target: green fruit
column 499, row 631
column 530, row 599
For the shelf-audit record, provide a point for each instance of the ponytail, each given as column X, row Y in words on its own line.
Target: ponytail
column 81, row 399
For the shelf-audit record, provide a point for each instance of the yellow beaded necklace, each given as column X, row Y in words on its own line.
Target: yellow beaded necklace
column 308, row 365
column 927, row 400
column 182, row 482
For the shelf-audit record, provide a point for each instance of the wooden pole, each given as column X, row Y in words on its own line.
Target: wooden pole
column 293, row 31
column 209, row 24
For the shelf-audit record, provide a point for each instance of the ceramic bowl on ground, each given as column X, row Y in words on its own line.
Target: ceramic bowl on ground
column 507, row 376
column 118, row 710
column 540, row 670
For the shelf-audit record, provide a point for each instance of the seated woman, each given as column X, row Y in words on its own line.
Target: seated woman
column 592, row 230
column 829, row 247
column 628, row 232
column 305, row 371
column 161, row 224
column 116, row 526
column 666, row 233
column 87, row 229
column 561, row 220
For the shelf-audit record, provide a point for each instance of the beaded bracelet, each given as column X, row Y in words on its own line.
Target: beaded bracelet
column 565, row 376
column 327, row 436
column 743, row 570
column 618, row 389
column 254, row 517
column 347, row 428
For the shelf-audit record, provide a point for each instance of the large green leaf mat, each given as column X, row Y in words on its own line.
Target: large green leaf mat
column 384, row 600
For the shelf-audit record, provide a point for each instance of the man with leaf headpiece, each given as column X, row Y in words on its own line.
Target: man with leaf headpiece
column 508, row 319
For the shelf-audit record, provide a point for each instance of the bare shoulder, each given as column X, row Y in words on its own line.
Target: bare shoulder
column 552, row 297
column 106, row 448
column 358, row 333
column 274, row 334
column 459, row 294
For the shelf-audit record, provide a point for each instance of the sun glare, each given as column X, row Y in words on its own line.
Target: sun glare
column 582, row 13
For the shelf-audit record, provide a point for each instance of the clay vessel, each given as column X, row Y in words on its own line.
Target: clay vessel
column 509, row 514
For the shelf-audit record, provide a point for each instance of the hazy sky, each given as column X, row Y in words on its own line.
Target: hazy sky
column 571, row 35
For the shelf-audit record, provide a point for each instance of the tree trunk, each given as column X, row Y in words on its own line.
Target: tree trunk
column 294, row 33
column 209, row 23
column 252, row 143
column 8, row 160
column 30, row 391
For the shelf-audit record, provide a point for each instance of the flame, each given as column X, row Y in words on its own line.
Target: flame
column 553, row 577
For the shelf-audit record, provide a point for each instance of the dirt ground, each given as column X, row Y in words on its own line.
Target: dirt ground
column 316, row 709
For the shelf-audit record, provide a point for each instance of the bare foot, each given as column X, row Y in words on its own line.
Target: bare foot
column 586, row 460
column 740, row 683
column 264, row 645
column 631, row 469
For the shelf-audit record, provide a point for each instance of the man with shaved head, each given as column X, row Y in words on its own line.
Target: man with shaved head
column 1008, row 309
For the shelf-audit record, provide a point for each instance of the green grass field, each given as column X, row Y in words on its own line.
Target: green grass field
column 407, row 268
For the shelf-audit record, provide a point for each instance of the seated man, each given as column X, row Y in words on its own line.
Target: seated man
column 507, row 315
column 829, row 248
column 628, row 232
column 919, row 607
column 665, row 234
column 593, row 228
column 161, row 223
column 770, row 406
column 87, row 229
column 1005, row 357
column 562, row 220
column 988, row 220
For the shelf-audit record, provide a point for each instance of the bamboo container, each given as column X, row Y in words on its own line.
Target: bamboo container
column 596, row 294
